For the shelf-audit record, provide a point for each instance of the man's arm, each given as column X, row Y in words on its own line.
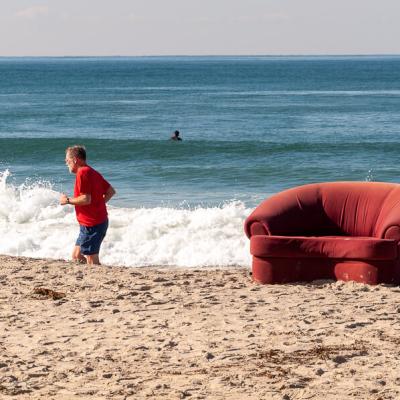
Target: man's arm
column 81, row 200
column 109, row 193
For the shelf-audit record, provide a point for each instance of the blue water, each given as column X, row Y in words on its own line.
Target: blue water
column 251, row 126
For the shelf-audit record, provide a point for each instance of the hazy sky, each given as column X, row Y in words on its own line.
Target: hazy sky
column 203, row 27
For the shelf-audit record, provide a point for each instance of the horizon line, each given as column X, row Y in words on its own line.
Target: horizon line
column 206, row 55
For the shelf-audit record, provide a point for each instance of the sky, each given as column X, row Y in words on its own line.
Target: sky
column 198, row 27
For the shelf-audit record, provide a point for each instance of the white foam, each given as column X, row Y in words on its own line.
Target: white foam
column 33, row 224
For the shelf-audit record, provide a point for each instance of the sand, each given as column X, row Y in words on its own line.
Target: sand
column 76, row 332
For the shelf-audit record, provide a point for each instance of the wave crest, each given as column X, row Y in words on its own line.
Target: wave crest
column 33, row 224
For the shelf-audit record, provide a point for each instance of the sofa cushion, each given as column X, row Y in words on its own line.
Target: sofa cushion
column 342, row 247
column 357, row 209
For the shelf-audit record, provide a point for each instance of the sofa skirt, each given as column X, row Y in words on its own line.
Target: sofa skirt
column 270, row 270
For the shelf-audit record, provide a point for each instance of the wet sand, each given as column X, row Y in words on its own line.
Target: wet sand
column 76, row 332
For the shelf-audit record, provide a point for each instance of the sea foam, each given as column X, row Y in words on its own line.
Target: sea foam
column 33, row 224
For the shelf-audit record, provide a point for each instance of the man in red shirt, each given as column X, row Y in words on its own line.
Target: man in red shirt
column 91, row 193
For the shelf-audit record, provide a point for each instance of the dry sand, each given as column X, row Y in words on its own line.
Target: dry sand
column 125, row 333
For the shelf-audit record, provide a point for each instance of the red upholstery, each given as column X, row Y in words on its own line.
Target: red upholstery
column 359, row 248
column 342, row 230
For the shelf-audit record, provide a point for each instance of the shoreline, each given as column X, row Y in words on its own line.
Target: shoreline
column 203, row 333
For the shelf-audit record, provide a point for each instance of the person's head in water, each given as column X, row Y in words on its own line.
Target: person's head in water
column 175, row 136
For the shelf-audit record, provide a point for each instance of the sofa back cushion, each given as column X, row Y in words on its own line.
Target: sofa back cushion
column 358, row 208
column 330, row 209
column 296, row 211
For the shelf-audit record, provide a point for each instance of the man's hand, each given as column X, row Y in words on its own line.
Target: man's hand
column 110, row 193
column 64, row 199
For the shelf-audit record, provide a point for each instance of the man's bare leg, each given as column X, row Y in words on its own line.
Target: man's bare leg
column 93, row 259
column 77, row 256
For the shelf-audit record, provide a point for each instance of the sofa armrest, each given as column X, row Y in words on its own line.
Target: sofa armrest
column 392, row 232
column 252, row 228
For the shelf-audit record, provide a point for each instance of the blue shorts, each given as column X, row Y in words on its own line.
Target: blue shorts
column 90, row 238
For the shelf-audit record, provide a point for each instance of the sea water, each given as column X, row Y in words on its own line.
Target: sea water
column 251, row 127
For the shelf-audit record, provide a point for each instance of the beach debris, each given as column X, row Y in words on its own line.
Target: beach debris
column 337, row 353
column 96, row 303
column 209, row 356
column 48, row 293
column 95, row 320
column 185, row 394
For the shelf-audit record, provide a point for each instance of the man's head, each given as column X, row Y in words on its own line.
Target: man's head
column 75, row 157
column 176, row 133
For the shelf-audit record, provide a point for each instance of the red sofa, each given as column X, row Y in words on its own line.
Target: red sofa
column 334, row 230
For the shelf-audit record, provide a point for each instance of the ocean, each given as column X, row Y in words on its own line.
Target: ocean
column 251, row 127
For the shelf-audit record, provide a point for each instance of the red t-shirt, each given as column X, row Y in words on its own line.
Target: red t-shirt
column 89, row 181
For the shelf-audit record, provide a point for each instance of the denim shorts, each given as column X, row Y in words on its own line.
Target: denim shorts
column 90, row 238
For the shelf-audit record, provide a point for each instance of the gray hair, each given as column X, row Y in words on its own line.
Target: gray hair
column 77, row 151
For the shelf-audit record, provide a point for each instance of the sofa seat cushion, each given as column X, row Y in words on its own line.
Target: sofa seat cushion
column 341, row 247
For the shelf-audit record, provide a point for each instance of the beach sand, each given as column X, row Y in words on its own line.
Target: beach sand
column 76, row 332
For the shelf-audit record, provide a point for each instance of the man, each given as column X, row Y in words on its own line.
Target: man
column 175, row 136
column 91, row 193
